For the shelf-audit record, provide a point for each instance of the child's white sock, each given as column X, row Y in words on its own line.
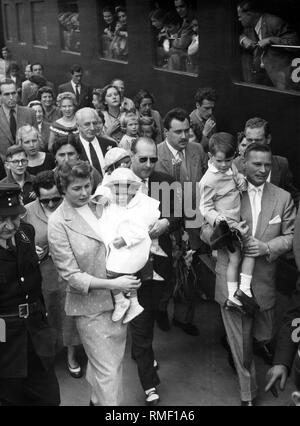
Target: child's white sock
column 232, row 288
column 119, row 297
column 245, row 286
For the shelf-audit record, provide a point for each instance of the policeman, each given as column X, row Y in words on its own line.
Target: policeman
column 27, row 345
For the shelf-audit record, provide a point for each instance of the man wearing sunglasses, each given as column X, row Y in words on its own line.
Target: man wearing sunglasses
column 27, row 344
column 16, row 163
column 159, row 271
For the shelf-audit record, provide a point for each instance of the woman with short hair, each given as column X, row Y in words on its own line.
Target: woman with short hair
column 68, row 149
column 30, row 139
column 46, row 97
column 80, row 257
column 67, row 123
column 144, row 102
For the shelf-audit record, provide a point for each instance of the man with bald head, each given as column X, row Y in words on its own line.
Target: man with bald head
column 94, row 147
column 144, row 159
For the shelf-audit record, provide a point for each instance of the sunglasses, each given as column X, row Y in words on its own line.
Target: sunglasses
column 54, row 200
column 153, row 160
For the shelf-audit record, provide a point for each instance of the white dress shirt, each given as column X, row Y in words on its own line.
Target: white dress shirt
column 255, row 195
column 175, row 152
column 98, row 150
column 74, row 87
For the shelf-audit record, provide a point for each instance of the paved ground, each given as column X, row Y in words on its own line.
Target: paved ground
column 193, row 370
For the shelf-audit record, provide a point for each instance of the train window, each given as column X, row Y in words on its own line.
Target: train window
column 113, row 30
column 175, row 35
column 68, row 17
column 9, row 22
column 268, row 42
column 39, row 24
column 20, row 14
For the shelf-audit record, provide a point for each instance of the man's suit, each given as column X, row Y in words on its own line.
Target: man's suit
column 281, row 175
column 286, row 347
column 276, row 61
column 105, row 145
column 275, row 227
column 24, row 116
column 142, row 327
column 86, row 94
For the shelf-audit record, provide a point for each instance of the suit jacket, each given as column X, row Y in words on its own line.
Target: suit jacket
column 286, row 346
column 281, row 175
column 86, row 94
column 277, row 61
column 276, row 203
column 196, row 163
column 24, row 116
column 79, row 255
column 162, row 265
column 105, row 145
column 45, row 135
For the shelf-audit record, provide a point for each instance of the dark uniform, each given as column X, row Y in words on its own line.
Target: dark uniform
column 27, row 345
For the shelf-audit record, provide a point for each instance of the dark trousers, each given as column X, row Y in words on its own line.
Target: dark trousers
column 39, row 388
column 142, row 331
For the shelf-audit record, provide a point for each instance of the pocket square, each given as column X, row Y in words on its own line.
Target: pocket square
column 275, row 221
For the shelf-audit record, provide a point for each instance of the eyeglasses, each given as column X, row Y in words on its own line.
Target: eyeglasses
column 153, row 160
column 54, row 200
column 19, row 162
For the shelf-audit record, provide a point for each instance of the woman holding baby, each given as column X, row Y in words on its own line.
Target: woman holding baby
column 80, row 257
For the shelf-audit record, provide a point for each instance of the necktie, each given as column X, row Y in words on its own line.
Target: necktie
column 256, row 208
column 184, row 177
column 77, row 94
column 145, row 189
column 13, row 123
column 94, row 159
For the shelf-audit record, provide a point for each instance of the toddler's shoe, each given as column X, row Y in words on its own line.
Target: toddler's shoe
column 121, row 308
column 134, row 311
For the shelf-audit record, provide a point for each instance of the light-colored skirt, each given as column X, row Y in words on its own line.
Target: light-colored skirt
column 104, row 342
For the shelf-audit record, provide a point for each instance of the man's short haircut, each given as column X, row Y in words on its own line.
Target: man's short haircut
column 45, row 89
column 108, row 9
column 76, row 68
column 206, row 93
column 258, row 123
column 14, row 150
column 257, row 147
column 175, row 114
column 222, row 142
column 171, row 18
column 66, row 140
column 6, row 82
column 44, row 180
column 249, row 5
column 68, row 173
column 37, row 63
column 135, row 143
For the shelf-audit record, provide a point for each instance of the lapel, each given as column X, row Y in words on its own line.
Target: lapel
column 264, row 30
column 166, row 158
column 268, row 204
column 75, row 222
column 82, row 92
column 191, row 161
column 5, row 125
column 40, row 213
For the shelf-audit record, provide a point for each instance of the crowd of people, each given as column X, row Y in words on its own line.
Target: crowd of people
column 176, row 37
column 105, row 210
